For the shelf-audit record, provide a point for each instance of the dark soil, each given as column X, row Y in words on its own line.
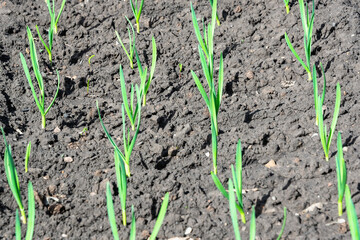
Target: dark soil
column 267, row 103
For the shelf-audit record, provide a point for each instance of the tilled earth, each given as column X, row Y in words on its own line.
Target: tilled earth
column 267, row 103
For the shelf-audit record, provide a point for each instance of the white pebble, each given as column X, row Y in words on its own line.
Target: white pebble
column 188, row 231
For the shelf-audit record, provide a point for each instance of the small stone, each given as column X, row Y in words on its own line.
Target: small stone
column 56, row 209
column 249, row 75
column 145, row 234
column 92, row 194
column 345, row 149
column 188, row 231
column 237, row 9
column 52, row 189
column 273, row 198
column 68, row 159
column 57, row 130
column 314, row 206
column 271, row 164
column 207, row 154
column 97, row 173
column 184, row 131
column 172, row 151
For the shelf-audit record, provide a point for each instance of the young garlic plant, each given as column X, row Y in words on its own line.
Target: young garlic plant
column 40, row 101
column 145, row 82
column 326, row 137
column 206, row 52
column 13, row 181
column 53, row 26
column 112, row 219
column 341, row 174
column 130, row 53
column 307, row 23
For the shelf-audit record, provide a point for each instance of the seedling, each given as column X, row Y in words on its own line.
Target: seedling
column 180, row 69
column 340, row 173
column 137, row 12
column 27, row 156
column 128, row 141
column 145, row 82
column 205, row 47
column 352, row 217
column 88, row 81
column 319, row 101
column 217, row 18
column 31, row 217
column 83, row 132
column 131, row 111
column 89, row 60
column 233, row 214
column 237, row 179
column 12, row 177
column 112, row 219
column 307, row 24
column 283, row 225
column 53, row 26
column 287, row 6
column 40, row 101
column 13, row 180
column 130, row 53
column 122, row 187
column 326, row 139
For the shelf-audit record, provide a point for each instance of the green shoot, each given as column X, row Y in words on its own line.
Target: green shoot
column 87, row 85
column 287, row 6
column 111, row 212
column 53, row 26
column 137, row 12
column 27, row 156
column 89, row 60
column 205, row 47
column 130, row 110
column 352, row 217
column 128, row 141
column 13, row 180
column 83, row 132
column 307, row 23
column 283, row 225
column 319, row 101
column 112, row 219
column 12, row 177
column 326, row 139
column 31, row 217
column 17, row 226
column 214, row 146
column 233, row 212
column 180, row 69
column 88, row 81
column 160, row 217
column 145, row 82
column 217, row 18
column 252, row 224
column 31, row 214
column 40, row 101
column 121, row 182
column 234, row 220
column 130, row 53
column 237, row 179
column 340, row 173
column 133, row 224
